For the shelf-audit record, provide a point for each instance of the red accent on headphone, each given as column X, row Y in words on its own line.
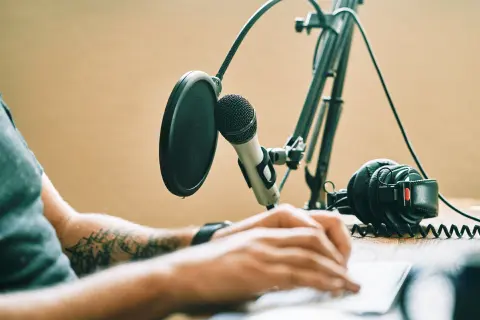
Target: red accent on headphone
column 407, row 194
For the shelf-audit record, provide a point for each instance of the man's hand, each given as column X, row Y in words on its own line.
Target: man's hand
column 241, row 266
column 335, row 240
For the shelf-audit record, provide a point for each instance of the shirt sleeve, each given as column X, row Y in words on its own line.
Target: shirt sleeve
column 9, row 113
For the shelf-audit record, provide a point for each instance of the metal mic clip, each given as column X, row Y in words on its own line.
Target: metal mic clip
column 218, row 85
column 268, row 182
column 291, row 155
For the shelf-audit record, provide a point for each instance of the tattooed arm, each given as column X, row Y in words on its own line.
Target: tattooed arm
column 96, row 241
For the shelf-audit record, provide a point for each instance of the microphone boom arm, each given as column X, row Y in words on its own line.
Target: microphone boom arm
column 331, row 62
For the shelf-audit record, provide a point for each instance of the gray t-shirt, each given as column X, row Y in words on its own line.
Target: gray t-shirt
column 30, row 252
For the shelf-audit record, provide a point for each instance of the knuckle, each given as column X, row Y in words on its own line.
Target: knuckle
column 336, row 221
column 317, row 239
column 243, row 247
column 283, row 274
column 310, row 237
column 253, row 267
column 256, row 250
column 293, row 277
column 348, row 245
column 307, row 259
column 313, row 234
column 285, row 208
column 310, row 233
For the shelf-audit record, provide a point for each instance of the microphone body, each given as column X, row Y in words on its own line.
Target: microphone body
column 251, row 157
column 236, row 121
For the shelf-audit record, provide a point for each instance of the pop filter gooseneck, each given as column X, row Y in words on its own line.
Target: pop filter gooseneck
column 246, row 28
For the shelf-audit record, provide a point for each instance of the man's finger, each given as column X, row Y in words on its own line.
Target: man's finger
column 295, row 218
column 301, row 258
column 333, row 226
column 307, row 238
column 336, row 231
column 288, row 277
column 283, row 216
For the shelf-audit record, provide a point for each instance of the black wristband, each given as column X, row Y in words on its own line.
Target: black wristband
column 206, row 232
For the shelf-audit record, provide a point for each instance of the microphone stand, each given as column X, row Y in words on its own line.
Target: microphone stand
column 331, row 62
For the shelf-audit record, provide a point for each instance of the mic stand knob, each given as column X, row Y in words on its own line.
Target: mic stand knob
column 312, row 21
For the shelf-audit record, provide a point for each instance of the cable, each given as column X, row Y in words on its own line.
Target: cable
column 284, row 179
column 317, row 45
column 246, row 28
column 403, row 230
column 414, row 231
column 320, row 15
column 242, row 34
column 392, row 106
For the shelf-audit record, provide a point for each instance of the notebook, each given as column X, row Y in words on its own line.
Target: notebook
column 380, row 282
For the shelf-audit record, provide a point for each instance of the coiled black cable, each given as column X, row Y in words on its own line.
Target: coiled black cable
column 414, row 231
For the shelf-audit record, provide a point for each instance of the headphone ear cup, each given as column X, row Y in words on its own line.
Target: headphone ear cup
column 388, row 214
column 385, row 175
column 350, row 192
column 358, row 189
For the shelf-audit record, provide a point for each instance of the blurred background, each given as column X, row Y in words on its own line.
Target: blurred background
column 88, row 81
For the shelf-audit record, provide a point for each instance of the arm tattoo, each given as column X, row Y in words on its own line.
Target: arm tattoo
column 100, row 248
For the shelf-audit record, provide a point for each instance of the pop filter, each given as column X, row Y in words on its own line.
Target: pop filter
column 188, row 135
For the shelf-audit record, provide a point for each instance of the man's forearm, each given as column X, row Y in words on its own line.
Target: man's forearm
column 140, row 290
column 95, row 241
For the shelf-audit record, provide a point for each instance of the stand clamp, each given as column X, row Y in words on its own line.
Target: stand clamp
column 291, row 155
column 313, row 22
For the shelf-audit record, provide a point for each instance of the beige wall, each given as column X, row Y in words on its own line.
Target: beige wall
column 88, row 82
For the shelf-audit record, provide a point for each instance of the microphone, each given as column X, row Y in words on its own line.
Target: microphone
column 235, row 119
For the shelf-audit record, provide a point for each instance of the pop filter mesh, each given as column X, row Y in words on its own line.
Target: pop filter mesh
column 189, row 137
column 192, row 136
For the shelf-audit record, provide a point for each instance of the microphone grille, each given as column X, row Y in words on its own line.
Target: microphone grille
column 235, row 119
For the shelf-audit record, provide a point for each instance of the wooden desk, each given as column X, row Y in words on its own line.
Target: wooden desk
column 429, row 252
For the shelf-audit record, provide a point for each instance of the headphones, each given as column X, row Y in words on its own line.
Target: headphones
column 385, row 192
